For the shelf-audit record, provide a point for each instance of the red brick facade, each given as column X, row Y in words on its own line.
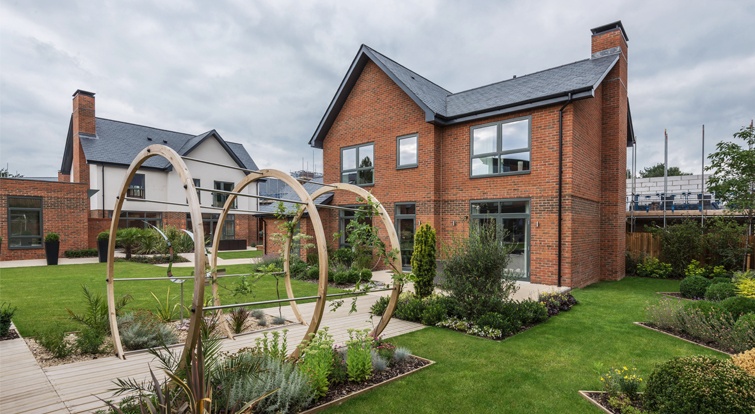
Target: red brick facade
column 594, row 157
column 65, row 210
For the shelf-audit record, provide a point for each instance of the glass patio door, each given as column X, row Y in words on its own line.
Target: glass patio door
column 405, row 226
column 510, row 218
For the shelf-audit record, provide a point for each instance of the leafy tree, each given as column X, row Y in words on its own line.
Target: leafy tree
column 657, row 171
column 130, row 239
column 423, row 260
column 732, row 176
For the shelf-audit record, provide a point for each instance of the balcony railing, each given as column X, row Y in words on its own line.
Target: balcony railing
column 672, row 202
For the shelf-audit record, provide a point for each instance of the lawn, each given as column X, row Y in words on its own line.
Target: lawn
column 240, row 254
column 42, row 294
column 539, row 370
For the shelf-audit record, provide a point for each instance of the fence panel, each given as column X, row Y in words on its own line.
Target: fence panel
column 648, row 244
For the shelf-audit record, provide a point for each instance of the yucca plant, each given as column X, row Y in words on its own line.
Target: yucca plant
column 95, row 316
column 163, row 310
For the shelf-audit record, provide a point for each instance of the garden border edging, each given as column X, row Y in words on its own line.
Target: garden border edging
column 642, row 324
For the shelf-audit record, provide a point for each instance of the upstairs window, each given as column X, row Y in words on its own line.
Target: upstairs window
column 136, row 188
column 219, row 199
column 357, row 165
column 501, row 148
column 25, row 218
column 406, row 151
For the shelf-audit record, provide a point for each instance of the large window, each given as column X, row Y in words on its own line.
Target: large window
column 406, row 151
column 210, row 224
column 501, row 148
column 136, row 188
column 219, row 199
column 139, row 219
column 357, row 165
column 511, row 220
column 344, row 218
column 25, row 218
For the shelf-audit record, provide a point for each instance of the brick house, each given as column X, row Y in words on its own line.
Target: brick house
column 542, row 156
column 97, row 154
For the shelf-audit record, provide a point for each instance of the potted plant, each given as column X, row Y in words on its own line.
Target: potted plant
column 102, row 243
column 52, row 247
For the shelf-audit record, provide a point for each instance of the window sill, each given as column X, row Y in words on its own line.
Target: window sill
column 407, row 167
column 501, row 174
column 26, row 247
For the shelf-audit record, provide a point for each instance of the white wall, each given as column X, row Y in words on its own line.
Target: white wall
column 676, row 185
column 167, row 186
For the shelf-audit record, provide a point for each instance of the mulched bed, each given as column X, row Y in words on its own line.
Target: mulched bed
column 688, row 338
column 602, row 399
column 348, row 388
column 12, row 334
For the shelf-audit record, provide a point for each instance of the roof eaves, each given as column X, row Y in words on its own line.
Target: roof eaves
column 222, row 142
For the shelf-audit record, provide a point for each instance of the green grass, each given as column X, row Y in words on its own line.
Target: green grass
column 242, row 254
column 539, row 370
column 42, row 294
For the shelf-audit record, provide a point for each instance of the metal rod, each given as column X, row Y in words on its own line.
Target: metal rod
column 272, row 301
column 222, row 165
column 702, row 185
column 285, row 200
column 147, row 200
column 131, row 279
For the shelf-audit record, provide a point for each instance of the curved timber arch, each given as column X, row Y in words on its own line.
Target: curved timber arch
column 307, row 205
column 199, row 254
column 392, row 236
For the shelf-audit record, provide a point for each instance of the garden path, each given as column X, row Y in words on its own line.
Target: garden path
column 78, row 385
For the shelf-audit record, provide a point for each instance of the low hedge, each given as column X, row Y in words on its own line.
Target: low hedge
column 71, row 254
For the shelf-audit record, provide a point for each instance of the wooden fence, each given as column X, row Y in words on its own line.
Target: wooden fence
column 649, row 244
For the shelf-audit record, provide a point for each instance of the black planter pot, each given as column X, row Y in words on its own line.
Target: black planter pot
column 102, row 250
column 51, row 252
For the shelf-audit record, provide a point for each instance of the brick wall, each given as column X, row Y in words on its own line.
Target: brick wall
column 65, row 210
column 83, row 122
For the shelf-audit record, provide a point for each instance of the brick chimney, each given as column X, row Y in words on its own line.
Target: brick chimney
column 610, row 40
column 83, row 126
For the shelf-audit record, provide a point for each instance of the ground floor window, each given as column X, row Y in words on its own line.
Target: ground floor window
column 511, row 219
column 25, row 218
column 210, row 224
column 344, row 218
column 139, row 219
column 405, row 221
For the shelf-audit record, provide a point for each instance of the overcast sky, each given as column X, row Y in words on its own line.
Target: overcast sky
column 263, row 73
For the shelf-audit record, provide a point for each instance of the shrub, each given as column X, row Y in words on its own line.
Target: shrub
column 275, row 346
column 239, row 317
column 104, row 235
column 54, row 341
column 738, row 305
column 744, row 333
column 365, row 275
column 409, row 308
column 343, row 256
column 401, row 354
column 680, row 243
column 700, row 385
column 630, row 263
column 257, row 313
column 298, row 268
column 720, row 291
column 745, row 282
column 664, row 315
column 704, row 306
column 378, row 308
column 717, row 280
column 746, row 361
column 474, row 272
column 694, row 287
column 695, row 269
column 723, row 242
column 494, row 320
column 557, row 302
column 532, row 312
column 359, row 355
column 379, row 363
column 317, row 361
column 247, row 377
column 313, row 273
column 423, row 260
column 95, row 315
column 622, row 381
column 89, row 341
column 52, row 237
column 72, row 254
column 279, row 320
column 341, row 277
column 654, row 268
column 6, row 314
column 141, row 330
column 434, row 312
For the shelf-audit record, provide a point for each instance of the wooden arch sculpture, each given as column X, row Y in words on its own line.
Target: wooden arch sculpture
column 200, row 259
column 392, row 236
column 322, row 252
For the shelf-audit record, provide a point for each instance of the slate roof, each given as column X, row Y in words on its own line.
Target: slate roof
column 117, row 143
column 286, row 192
column 547, row 87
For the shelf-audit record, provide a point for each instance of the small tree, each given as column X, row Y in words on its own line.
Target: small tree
column 657, row 171
column 423, row 260
column 732, row 176
column 130, row 239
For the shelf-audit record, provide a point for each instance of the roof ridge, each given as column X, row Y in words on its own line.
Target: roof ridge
column 375, row 51
column 145, row 126
column 529, row 74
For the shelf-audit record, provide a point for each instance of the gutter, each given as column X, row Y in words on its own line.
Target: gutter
column 561, row 180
